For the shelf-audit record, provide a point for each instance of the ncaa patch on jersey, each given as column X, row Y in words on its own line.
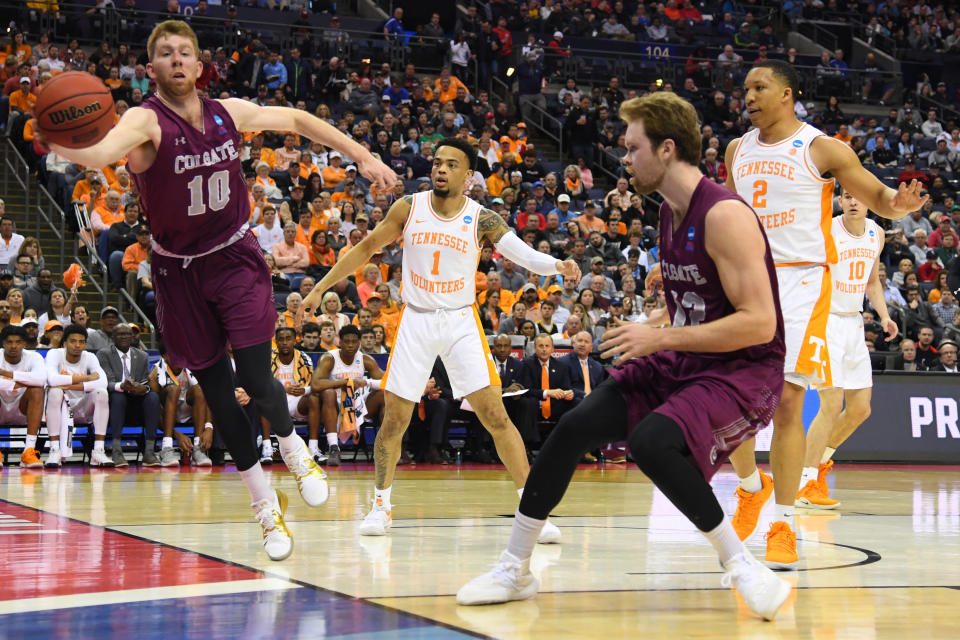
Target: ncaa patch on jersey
column 467, row 219
column 798, row 143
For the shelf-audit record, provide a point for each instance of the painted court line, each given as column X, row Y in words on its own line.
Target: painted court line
column 141, row 595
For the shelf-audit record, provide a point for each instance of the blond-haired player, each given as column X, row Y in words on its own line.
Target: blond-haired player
column 211, row 281
column 785, row 170
column 846, row 404
column 442, row 233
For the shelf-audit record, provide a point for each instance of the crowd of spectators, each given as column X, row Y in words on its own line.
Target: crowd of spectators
column 309, row 206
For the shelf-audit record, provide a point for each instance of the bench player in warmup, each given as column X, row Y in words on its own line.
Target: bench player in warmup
column 211, row 281
column 785, row 170
column 23, row 378
column 845, row 405
column 345, row 370
column 442, row 233
column 686, row 396
column 77, row 392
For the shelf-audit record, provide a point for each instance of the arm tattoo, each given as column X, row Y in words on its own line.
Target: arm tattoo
column 490, row 226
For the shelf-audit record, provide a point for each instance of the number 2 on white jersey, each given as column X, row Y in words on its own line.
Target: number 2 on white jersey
column 218, row 193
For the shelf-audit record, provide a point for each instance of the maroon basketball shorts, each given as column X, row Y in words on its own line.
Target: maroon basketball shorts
column 717, row 403
column 226, row 296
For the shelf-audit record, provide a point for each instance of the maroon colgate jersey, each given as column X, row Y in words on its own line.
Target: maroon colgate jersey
column 194, row 194
column 691, row 283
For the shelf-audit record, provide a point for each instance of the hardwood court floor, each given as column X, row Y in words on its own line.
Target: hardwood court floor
column 157, row 554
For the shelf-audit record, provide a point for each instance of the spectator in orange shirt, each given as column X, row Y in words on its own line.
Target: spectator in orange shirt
column 136, row 253
column 307, row 167
column 496, row 183
column 23, row 98
column 101, row 217
column 349, row 188
column 589, row 221
column 304, row 231
column 270, row 188
column 19, row 48
column 445, row 90
column 389, row 322
column 322, row 209
column 843, row 134
column 333, row 174
column 320, row 250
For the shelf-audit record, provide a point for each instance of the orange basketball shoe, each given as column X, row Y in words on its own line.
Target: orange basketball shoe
column 812, row 496
column 781, row 546
column 30, row 459
column 749, row 506
column 825, row 469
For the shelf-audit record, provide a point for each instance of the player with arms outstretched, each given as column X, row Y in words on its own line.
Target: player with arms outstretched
column 785, row 170
column 845, row 405
column 442, row 233
column 211, row 280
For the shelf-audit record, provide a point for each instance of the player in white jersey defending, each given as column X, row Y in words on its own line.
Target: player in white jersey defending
column 22, row 379
column 845, row 405
column 779, row 168
column 442, row 233
column 78, row 393
column 346, row 370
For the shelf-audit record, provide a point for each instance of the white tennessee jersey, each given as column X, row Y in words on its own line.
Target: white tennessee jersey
column 857, row 256
column 794, row 203
column 440, row 256
column 29, row 372
column 166, row 376
column 342, row 370
column 60, row 372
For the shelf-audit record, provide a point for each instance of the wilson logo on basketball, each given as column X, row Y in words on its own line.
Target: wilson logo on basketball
column 73, row 113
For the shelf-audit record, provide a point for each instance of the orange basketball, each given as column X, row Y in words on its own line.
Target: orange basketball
column 74, row 110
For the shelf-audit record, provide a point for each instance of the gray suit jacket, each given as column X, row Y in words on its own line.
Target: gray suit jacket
column 110, row 361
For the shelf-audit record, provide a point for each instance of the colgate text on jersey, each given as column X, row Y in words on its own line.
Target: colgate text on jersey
column 214, row 156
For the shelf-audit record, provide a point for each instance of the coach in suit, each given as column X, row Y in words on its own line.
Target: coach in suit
column 434, row 411
column 579, row 362
column 548, row 380
column 521, row 409
column 127, row 372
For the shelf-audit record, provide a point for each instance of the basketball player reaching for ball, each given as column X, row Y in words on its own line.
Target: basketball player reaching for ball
column 778, row 168
column 442, row 233
column 845, row 405
column 211, row 280
column 683, row 397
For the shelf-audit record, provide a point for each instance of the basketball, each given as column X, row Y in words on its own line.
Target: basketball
column 74, row 110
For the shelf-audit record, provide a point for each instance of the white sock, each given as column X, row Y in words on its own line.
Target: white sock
column 31, row 442
column 784, row 513
column 267, row 447
column 382, row 496
column 97, row 445
column 724, row 539
column 290, row 443
column 314, row 446
column 523, row 536
column 752, row 483
column 196, row 441
column 257, row 484
column 827, row 454
column 809, row 473
column 332, row 439
column 167, row 442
